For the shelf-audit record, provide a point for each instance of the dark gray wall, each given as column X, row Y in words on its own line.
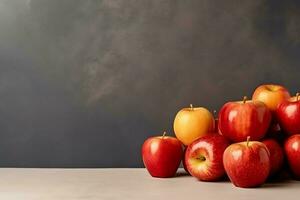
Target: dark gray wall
column 84, row 82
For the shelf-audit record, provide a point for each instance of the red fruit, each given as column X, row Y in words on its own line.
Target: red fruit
column 288, row 115
column 276, row 155
column 238, row 120
column 204, row 157
column 292, row 152
column 162, row 155
column 247, row 164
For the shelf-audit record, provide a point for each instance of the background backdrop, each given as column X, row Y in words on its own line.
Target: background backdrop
column 84, row 82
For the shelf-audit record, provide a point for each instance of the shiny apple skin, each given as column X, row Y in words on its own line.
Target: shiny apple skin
column 276, row 155
column 292, row 152
column 247, row 166
column 237, row 120
column 288, row 115
column 192, row 123
column 211, row 147
column 271, row 94
column 162, row 156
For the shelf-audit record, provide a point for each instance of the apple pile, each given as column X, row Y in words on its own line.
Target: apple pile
column 248, row 142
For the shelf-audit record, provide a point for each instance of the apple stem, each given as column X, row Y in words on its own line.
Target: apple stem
column 191, row 106
column 248, row 140
column 297, row 96
column 201, row 158
column 215, row 113
column 244, row 99
column 164, row 134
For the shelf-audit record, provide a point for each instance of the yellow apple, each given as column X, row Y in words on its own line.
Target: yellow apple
column 193, row 123
column 271, row 95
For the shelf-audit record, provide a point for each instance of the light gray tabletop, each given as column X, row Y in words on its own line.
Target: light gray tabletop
column 123, row 184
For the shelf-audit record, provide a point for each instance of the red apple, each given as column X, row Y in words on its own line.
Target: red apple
column 276, row 155
column 247, row 164
column 292, row 152
column 162, row 155
column 240, row 119
column 288, row 115
column 271, row 95
column 204, row 157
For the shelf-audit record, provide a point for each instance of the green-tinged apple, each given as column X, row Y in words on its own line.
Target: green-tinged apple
column 270, row 94
column 192, row 123
column 162, row 155
column 247, row 164
column 276, row 155
column 292, row 152
column 288, row 115
column 240, row 119
column 204, row 157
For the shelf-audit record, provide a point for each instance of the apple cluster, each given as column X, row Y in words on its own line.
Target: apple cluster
column 249, row 141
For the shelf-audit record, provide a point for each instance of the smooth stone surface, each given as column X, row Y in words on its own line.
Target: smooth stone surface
column 123, row 184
